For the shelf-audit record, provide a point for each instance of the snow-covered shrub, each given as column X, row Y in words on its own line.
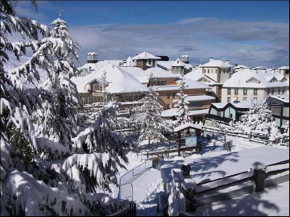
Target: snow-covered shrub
column 259, row 118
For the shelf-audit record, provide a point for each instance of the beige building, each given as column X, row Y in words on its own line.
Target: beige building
column 248, row 85
column 219, row 72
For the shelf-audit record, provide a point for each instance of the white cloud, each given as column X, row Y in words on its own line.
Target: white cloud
column 251, row 43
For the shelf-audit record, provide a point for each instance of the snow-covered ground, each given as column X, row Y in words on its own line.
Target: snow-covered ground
column 272, row 201
column 146, row 188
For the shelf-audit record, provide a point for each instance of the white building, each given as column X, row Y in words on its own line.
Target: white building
column 255, row 84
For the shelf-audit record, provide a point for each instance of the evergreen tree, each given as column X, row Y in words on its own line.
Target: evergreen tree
column 182, row 105
column 59, row 121
column 152, row 125
column 33, row 182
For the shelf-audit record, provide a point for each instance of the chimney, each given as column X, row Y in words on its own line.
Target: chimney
column 185, row 59
column 227, row 62
column 92, row 57
column 142, row 64
column 211, row 59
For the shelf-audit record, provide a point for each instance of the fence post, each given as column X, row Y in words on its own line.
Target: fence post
column 259, row 176
column 188, row 188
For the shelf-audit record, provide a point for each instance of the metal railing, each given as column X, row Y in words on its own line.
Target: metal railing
column 130, row 176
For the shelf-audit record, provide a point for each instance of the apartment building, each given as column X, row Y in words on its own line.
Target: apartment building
column 254, row 84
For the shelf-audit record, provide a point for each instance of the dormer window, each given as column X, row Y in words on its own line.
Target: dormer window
column 97, row 87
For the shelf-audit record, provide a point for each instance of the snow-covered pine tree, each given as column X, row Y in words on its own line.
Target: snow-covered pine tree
column 182, row 105
column 31, row 184
column 59, row 121
column 152, row 125
column 259, row 118
column 101, row 149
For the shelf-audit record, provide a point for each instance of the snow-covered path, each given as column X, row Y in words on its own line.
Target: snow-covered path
column 148, row 207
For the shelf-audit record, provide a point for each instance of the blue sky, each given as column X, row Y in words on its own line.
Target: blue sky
column 251, row 33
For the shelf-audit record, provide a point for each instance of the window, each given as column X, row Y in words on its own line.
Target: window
column 283, row 90
column 168, row 106
column 276, row 110
column 97, row 87
column 286, row 111
column 173, row 95
column 279, row 90
column 268, row 91
column 149, row 62
column 195, row 104
column 245, row 92
column 213, row 111
column 229, row 91
column 255, row 92
column 236, row 91
column 278, row 122
column 273, row 90
column 168, row 95
column 245, row 99
column 229, row 99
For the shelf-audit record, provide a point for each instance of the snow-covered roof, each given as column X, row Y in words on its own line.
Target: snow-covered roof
column 282, row 98
column 172, row 112
column 261, row 79
column 219, row 105
column 168, row 64
column 188, row 125
column 239, row 104
column 260, row 67
column 169, row 113
column 284, row 67
column 178, row 63
column 143, row 75
column 129, row 61
column 189, row 85
column 241, row 67
column 96, row 66
column 119, row 80
column 217, row 63
column 198, row 112
column 145, row 56
column 197, row 75
column 199, row 98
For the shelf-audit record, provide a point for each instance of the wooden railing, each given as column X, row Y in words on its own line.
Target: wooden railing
column 233, row 186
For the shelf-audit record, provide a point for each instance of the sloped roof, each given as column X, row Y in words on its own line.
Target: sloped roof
column 145, row 56
column 241, row 67
column 239, row 79
column 168, row 64
column 178, row 63
column 197, row 75
column 199, row 98
column 282, row 98
column 284, row 67
column 217, row 63
column 119, row 81
column 143, row 75
column 96, row 66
